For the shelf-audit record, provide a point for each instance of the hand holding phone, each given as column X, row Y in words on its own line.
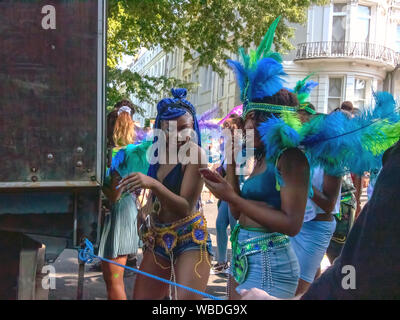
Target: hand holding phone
column 209, row 175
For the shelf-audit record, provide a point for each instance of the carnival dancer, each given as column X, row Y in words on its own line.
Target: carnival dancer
column 335, row 142
column 119, row 236
column 268, row 211
column 177, row 243
column 311, row 243
column 319, row 224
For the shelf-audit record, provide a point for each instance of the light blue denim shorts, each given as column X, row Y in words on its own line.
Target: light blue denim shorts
column 274, row 270
column 310, row 245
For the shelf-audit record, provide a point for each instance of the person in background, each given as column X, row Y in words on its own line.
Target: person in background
column 347, row 106
column 344, row 219
column 106, row 204
column 311, row 243
column 225, row 218
column 119, row 236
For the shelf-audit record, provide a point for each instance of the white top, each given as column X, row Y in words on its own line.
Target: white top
column 311, row 208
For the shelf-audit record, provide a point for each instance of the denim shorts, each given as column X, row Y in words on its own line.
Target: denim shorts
column 310, row 245
column 182, row 247
column 181, row 235
column 274, row 270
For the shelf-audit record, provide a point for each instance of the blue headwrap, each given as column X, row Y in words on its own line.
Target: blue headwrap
column 173, row 108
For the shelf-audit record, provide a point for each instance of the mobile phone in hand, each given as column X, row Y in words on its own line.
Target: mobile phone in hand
column 208, row 174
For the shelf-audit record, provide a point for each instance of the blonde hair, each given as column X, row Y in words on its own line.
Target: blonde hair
column 124, row 130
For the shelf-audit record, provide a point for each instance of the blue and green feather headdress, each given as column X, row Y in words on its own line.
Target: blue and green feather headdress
column 303, row 90
column 260, row 74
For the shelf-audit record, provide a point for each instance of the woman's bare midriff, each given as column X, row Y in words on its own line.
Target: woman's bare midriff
column 170, row 217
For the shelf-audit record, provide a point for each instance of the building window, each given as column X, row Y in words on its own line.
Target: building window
column 339, row 22
column 359, row 93
column 363, row 23
column 335, row 93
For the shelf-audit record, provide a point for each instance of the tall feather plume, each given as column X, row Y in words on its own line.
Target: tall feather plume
column 241, row 75
column 385, row 106
column 249, row 72
column 245, row 58
column 301, row 83
column 340, row 143
column 303, row 88
column 264, row 49
column 266, row 79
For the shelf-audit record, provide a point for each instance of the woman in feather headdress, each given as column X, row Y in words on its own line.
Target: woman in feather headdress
column 119, row 236
column 270, row 206
column 268, row 212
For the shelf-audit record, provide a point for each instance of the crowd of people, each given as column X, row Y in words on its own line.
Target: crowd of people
column 291, row 205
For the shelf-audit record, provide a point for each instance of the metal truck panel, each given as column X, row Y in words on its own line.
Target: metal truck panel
column 52, row 94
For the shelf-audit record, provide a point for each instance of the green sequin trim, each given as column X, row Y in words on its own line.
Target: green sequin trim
column 267, row 107
column 305, row 107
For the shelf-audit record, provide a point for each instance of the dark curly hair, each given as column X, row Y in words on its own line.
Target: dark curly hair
column 233, row 120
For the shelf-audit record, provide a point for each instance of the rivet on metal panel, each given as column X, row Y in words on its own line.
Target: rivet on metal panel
column 79, row 149
column 50, row 156
column 79, row 164
column 34, row 178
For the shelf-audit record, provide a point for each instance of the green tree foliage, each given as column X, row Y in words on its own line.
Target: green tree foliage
column 212, row 28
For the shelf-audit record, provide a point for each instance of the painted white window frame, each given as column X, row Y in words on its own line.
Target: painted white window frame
column 371, row 8
column 342, row 91
column 338, row 14
column 367, row 83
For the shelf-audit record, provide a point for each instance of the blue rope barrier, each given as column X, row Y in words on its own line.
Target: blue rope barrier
column 86, row 255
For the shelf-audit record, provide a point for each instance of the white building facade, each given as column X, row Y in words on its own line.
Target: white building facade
column 352, row 46
column 151, row 63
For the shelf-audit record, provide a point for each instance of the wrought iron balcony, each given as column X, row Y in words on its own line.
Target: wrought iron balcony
column 349, row 50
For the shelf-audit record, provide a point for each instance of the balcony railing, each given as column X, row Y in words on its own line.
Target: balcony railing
column 345, row 49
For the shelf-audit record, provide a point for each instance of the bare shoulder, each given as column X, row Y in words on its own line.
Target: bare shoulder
column 293, row 158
